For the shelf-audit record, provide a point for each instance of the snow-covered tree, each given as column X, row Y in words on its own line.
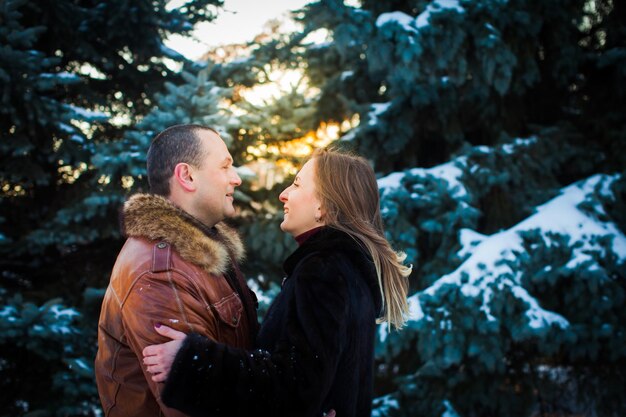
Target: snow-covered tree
column 498, row 131
column 524, row 319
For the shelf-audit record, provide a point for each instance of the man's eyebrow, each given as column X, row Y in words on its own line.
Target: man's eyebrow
column 228, row 159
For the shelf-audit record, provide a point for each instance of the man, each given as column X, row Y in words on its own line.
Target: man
column 178, row 267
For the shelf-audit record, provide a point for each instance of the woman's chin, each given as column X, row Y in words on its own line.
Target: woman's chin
column 286, row 229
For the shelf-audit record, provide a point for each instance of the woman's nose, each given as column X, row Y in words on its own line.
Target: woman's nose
column 283, row 196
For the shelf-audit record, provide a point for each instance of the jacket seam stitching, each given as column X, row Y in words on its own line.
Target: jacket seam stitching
column 117, row 388
column 179, row 301
column 117, row 298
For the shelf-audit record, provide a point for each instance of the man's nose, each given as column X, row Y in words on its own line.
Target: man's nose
column 236, row 180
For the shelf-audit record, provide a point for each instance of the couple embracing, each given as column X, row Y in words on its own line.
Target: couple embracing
column 178, row 331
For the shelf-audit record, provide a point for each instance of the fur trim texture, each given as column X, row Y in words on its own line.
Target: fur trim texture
column 156, row 218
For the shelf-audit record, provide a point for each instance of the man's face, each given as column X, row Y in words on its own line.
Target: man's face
column 215, row 180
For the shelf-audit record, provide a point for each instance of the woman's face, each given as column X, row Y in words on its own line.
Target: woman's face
column 301, row 205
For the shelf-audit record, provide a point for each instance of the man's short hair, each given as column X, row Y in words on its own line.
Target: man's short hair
column 176, row 144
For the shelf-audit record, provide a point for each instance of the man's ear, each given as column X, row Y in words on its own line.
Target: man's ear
column 183, row 176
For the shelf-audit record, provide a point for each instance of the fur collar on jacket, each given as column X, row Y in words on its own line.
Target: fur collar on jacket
column 156, row 218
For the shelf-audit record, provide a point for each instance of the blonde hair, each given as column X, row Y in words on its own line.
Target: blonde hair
column 347, row 189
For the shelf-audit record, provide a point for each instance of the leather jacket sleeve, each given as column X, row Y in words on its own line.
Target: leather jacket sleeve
column 168, row 298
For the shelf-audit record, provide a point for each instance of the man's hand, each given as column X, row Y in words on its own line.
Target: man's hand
column 158, row 359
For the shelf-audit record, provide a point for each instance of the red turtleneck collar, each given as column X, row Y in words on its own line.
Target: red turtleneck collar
column 306, row 235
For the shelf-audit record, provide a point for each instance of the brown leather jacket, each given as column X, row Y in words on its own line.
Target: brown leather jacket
column 175, row 271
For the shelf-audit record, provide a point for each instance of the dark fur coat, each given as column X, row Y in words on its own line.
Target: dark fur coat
column 315, row 347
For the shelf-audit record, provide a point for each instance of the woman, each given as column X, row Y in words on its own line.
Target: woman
column 316, row 344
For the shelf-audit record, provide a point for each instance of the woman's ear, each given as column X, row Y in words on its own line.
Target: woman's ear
column 183, row 176
column 319, row 213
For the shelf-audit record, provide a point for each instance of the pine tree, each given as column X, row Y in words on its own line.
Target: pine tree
column 270, row 130
column 484, row 114
column 497, row 129
column 272, row 135
column 74, row 76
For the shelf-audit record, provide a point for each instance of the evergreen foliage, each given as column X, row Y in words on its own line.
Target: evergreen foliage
column 497, row 129
column 428, row 77
column 268, row 129
column 443, row 90
column 47, row 356
column 74, row 76
column 538, row 327
column 423, row 217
